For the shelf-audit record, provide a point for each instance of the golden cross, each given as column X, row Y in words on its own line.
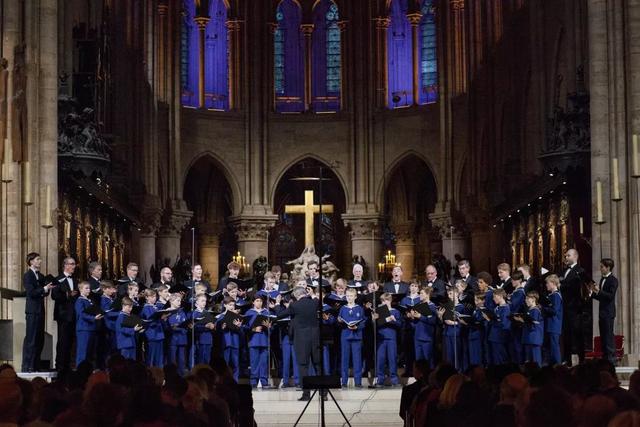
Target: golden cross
column 308, row 209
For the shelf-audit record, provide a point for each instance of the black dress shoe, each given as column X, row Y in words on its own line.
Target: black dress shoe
column 304, row 398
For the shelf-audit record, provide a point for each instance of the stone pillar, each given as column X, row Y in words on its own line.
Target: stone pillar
column 414, row 19
column 452, row 233
column 481, row 247
column 151, row 221
column 406, row 248
column 344, row 55
column 382, row 25
column 161, row 61
column 168, row 240
column 209, row 250
column 235, row 36
column 202, row 22
column 307, row 31
column 366, row 241
column 252, row 233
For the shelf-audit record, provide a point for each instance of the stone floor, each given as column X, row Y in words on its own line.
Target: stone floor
column 362, row 407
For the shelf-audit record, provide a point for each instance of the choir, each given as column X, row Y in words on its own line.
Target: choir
column 368, row 328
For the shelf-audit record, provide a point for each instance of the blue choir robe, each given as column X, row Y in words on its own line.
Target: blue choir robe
column 110, row 316
column 257, row 339
column 153, row 330
column 84, row 322
column 125, row 337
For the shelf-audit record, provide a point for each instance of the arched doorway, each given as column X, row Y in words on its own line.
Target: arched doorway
column 410, row 197
column 208, row 195
column 286, row 241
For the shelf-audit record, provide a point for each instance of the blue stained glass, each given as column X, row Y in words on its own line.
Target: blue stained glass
column 288, row 58
column 400, row 56
column 278, row 54
column 333, row 50
column 189, row 55
column 428, row 54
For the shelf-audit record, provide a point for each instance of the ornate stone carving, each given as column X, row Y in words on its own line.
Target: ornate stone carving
column 414, row 18
column 80, row 146
column 252, row 230
column 568, row 132
column 382, row 23
column 363, row 228
column 174, row 221
column 405, row 232
column 151, row 220
column 447, row 226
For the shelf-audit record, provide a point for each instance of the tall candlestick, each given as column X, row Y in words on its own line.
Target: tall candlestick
column 599, row 210
column 635, row 157
column 47, row 211
column 28, row 195
column 581, row 226
column 615, row 180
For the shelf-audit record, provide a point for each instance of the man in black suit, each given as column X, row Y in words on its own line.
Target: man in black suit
column 464, row 268
column 280, row 285
column 64, row 295
column 95, row 275
column 605, row 293
column 305, row 331
column 37, row 290
column 504, row 274
column 166, row 278
column 132, row 276
column 530, row 283
column 396, row 285
column 571, row 284
column 438, row 286
column 314, row 277
column 358, row 283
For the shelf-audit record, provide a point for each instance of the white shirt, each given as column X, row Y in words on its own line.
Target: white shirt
column 566, row 273
column 69, row 281
column 397, row 287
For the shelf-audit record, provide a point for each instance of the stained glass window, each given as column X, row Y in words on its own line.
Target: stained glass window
column 326, row 57
column 399, row 59
column 428, row 54
column 278, row 54
column 288, row 59
column 216, row 57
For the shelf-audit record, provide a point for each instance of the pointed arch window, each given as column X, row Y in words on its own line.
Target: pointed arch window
column 216, row 53
column 428, row 54
column 399, row 59
column 326, row 56
column 288, row 58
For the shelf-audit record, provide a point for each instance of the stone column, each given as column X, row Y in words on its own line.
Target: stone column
column 252, row 233
column 161, row 61
column 202, row 22
column 307, row 31
column 344, row 55
column 414, row 19
column 151, row 221
column 234, row 28
column 168, row 240
column 366, row 241
column 452, row 233
column 382, row 25
column 209, row 250
column 406, row 248
column 481, row 247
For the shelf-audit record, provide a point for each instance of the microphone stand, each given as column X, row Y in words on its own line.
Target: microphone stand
column 375, row 343
column 193, row 299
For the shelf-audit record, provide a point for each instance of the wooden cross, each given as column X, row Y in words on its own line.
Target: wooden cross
column 308, row 209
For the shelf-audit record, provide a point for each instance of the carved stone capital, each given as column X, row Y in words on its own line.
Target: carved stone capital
column 414, row 18
column 151, row 220
column 343, row 25
column 382, row 23
column 174, row 221
column 253, row 228
column 234, row 25
column 457, row 5
column 405, row 233
column 365, row 227
column 201, row 21
column 307, row 29
column 163, row 9
column 447, row 225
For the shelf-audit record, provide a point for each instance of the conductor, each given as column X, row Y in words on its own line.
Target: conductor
column 306, row 333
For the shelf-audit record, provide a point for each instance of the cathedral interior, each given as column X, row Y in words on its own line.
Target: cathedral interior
column 168, row 132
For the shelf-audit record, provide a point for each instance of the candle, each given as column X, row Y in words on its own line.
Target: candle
column 599, row 211
column 581, row 226
column 47, row 210
column 615, row 180
column 28, row 196
column 636, row 158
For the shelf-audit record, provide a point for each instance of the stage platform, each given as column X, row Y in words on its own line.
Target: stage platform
column 363, row 407
column 47, row 375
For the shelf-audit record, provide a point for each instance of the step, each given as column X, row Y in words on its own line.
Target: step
column 362, row 407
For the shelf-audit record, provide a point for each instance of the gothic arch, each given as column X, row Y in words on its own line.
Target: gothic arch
column 391, row 169
column 288, row 166
column 236, row 194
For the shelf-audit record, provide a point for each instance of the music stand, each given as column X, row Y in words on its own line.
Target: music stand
column 324, row 383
